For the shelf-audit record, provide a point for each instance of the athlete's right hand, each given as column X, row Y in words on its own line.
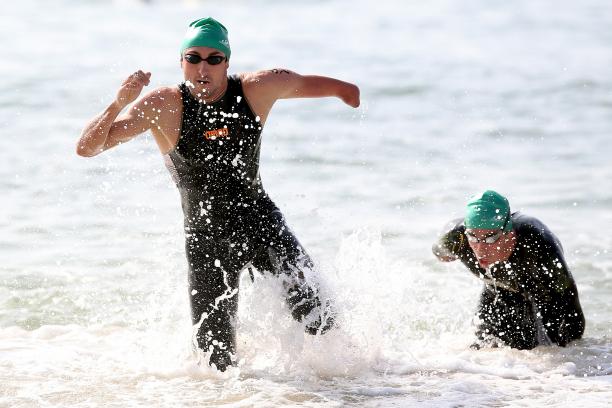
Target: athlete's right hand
column 131, row 87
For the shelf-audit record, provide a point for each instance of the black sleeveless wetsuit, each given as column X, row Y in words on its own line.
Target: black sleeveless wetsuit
column 529, row 299
column 230, row 222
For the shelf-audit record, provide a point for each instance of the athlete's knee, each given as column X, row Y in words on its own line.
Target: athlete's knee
column 307, row 307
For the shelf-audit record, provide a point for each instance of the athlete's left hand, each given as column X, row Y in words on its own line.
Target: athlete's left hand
column 350, row 95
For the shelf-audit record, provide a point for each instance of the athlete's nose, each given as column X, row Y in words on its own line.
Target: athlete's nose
column 203, row 68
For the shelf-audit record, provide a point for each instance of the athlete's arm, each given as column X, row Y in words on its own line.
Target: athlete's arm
column 107, row 129
column 263, row 88
column 446, row 249
column 550, row 286
column 286, row 84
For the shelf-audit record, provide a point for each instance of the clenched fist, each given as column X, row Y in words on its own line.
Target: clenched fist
column 131, row 87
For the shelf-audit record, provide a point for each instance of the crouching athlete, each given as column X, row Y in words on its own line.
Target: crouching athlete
column 529, row 295
column 208, row 129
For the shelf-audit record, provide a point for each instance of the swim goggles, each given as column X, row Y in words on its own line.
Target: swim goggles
column 210, row 60
column 489, row 239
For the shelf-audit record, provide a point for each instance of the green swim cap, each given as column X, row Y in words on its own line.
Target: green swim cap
column 207, row 32
column 488, row 210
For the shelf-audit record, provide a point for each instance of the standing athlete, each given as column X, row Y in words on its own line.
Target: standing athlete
column 529, row 295
column 208, row 130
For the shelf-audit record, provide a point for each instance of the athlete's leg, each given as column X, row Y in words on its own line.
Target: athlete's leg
column 213, row 289
column 507, row 316
column 285, row 257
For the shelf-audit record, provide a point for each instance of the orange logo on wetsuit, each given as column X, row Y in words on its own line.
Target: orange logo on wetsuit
column 214, row 134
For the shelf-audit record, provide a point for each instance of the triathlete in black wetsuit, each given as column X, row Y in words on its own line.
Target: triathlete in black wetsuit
column 209, row 131
column 529, row 295
column 230, row 221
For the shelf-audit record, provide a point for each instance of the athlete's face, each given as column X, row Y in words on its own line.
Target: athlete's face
column 487, row 254
column 206, row 70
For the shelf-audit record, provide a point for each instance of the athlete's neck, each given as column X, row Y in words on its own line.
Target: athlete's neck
column 212, row 97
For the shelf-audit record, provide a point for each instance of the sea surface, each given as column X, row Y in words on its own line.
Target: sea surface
column 457, row 97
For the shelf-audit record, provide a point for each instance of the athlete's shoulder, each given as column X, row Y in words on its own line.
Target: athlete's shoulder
column 266, row 74
column 161, row 106
column 162, row 96
column 529, row 228
column 248, row 78
column 163, row 92
column 523, row 223
column 268, row 79
column 165, row 99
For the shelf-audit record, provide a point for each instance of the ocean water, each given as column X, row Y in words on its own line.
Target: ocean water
column 456, row 97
